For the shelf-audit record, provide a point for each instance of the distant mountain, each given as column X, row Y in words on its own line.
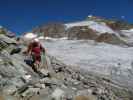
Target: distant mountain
column 93, row 28
column 115, row 24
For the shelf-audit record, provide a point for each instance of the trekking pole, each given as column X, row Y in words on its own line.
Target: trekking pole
column 44, row 60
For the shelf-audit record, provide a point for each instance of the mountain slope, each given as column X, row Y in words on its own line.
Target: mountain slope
column 99, row 27
column 100, row 30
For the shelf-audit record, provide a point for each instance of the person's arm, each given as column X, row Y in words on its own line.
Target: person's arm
column 29, row 49
column 42, row 48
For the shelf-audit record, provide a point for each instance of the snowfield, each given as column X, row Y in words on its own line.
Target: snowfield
column 99, row 27
column 109, row 60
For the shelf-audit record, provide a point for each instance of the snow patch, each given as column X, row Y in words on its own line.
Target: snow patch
column 30, row 36
column 41, row 37
column 128, row 34
column 127, row 31
column 50, row 38
column 131, row 30
column 99, row 27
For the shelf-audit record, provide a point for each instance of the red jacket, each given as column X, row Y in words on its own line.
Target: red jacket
column 36, row 51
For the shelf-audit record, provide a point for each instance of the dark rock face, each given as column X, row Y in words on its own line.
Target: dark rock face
column 119, row 25
column 55, row 30
column 81, row 32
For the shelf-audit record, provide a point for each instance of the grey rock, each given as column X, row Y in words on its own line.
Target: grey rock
column 58, row 94
column 30, row 92
column 41, row 86
column 7, row 39
column 44, row 73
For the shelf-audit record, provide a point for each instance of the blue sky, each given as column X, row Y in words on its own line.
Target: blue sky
column 22, row 15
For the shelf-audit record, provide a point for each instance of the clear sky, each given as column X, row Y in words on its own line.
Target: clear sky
column 23, row 15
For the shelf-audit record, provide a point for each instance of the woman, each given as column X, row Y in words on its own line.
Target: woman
column 35, row 49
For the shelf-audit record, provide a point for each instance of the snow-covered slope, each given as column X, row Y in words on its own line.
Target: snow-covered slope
column 128, row 35
column 99, row 27
column 109, row 60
